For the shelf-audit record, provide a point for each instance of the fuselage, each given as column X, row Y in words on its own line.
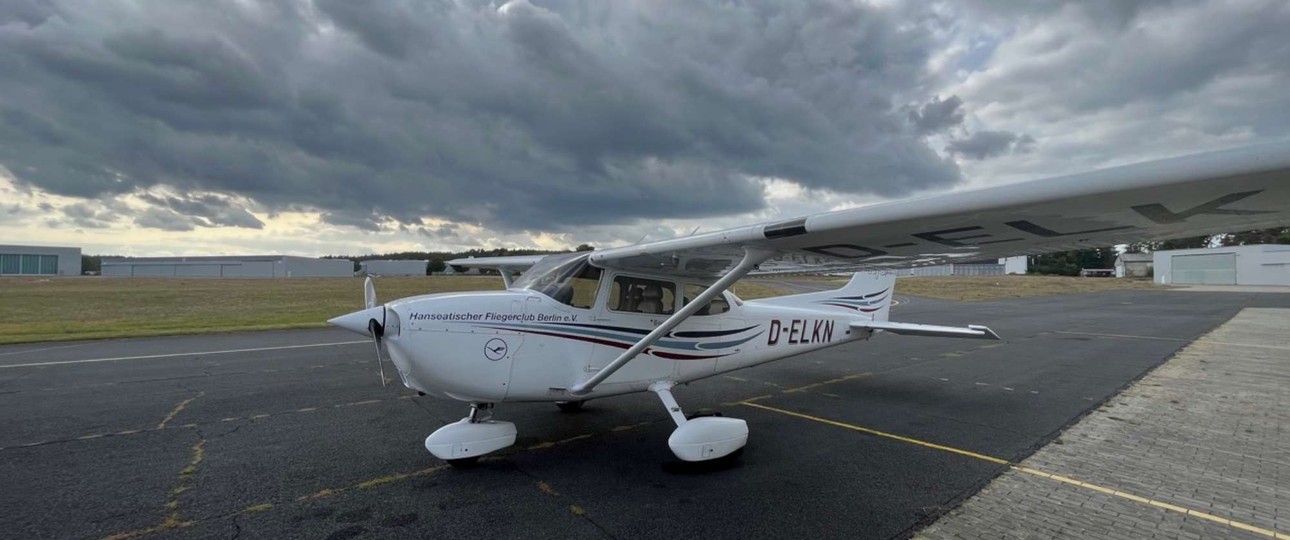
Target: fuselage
column 522, row 345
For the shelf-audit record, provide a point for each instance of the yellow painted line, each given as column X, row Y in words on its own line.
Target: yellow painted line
column 178, row 408
column 900, row 438
column 368, row 484
column 257, row 508
column 749, row 400
column 1036, row 472
column 825, row 383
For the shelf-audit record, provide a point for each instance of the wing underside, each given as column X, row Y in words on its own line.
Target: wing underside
column 1227, row 191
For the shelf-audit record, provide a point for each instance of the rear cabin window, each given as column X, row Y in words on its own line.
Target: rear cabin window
column 716, row 306
column 639, row 295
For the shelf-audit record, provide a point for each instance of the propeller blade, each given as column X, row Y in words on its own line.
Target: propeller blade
column 375, row 329
column 369, row 293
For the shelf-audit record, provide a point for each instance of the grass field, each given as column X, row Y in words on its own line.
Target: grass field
column 60, row 309
column 57, row 309
column 972, row 288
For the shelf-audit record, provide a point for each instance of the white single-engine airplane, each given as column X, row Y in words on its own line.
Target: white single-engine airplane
column 647, row 317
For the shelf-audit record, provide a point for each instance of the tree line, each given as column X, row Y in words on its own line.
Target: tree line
column 437, row 264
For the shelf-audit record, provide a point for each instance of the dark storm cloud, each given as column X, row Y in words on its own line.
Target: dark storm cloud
column 988, row 144
column 1109, row 54
column 937, row 115
column 526, row 117
column 166, row 220
column 212, row 211
column 87, row 216
column 25, row 12
column 366, row 222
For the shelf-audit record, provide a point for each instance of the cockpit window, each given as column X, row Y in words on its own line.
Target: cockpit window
column 566, row 278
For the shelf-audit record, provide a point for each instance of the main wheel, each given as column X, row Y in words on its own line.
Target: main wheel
column 461, row 463
column 570, row 406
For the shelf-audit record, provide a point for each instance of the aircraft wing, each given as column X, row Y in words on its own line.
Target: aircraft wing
column 513, row 263
column 1228, row 191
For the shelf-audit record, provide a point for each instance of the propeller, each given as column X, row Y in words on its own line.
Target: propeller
column 370, row 321
column 374, row 328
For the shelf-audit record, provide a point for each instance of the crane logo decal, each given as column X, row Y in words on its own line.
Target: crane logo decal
column 495, row 349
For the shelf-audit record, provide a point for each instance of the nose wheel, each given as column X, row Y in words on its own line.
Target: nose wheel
column 463, row 442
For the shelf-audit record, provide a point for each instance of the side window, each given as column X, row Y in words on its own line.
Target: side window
column 716, row 306
column 637, row 295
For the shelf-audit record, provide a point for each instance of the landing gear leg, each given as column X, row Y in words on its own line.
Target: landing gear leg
column 702, row 438
column 464, row 441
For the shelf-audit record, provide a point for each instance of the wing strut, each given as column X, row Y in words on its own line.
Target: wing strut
column 752, row 257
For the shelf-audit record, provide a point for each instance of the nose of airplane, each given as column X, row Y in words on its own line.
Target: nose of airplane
column 357, row 321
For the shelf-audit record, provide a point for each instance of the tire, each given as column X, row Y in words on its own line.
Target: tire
column 570, row 406
column 463, row 463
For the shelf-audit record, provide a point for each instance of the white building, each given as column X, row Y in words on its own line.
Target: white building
column 1007, row 265
column 40, row 261
column 227, row 266
column 1232, row 265
column 1134, row 265
column 393, row 267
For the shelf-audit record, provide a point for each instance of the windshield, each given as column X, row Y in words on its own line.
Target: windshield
column 568, row 278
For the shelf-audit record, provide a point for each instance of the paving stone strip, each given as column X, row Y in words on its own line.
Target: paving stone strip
column 1208, row 432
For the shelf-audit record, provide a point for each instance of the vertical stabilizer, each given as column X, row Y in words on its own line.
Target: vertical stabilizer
column 867, row 294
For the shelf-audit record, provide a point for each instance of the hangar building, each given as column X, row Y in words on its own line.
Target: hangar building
column 40, row 261
column 1004, row 266
column 1233, row 265
column 227, row 266
column 393, row 268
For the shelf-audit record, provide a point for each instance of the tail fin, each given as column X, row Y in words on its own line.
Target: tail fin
column 868, row 293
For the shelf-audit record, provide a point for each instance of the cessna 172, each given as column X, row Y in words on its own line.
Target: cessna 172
column 650, row 316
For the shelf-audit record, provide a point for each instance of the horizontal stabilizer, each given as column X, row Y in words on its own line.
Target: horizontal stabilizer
column 972, row 331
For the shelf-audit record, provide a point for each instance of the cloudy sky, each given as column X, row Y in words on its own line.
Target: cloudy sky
column 317, row 127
